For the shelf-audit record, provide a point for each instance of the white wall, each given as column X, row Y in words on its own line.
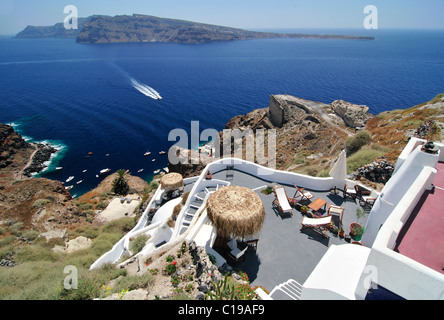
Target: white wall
column 409, row 174
column 395, row 272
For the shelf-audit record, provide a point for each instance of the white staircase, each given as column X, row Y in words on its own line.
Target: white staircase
column 290, row 288
column 197, row 199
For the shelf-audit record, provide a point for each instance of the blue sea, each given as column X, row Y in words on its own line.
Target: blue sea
column 94, row 99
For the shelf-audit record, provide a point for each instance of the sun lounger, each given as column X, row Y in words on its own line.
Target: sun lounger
column 318, row 225
column 349, row 192
column 364, row 198
column 281, row 200
column 301, row 194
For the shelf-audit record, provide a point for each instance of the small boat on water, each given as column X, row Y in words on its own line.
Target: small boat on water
column 166, row 169
column 84, row 170
column 69, row 187
column 59, row 168
column 140, row 170
column 153, row 160
column 162, row 152
column 147, row 153
column 69, row 179
column 79, row 182
column 157, row 171
column 105, row 171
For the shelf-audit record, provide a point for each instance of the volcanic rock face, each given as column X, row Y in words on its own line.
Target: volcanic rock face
column 56, row 31
column 143, row 28
column 354, row 116
column 42, row 155
column 378, row 171
column 11, row 143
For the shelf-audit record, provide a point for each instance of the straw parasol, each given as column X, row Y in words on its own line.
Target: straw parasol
column 236, row 211
column 172, row 181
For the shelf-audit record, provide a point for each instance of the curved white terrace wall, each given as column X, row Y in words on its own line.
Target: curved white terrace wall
column 119, row 248
column 273, row 175
column 409, row 174
column 396, row 272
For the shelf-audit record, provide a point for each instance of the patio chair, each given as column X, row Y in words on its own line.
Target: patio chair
column 282, row 201
column 364, row 198
column 349, row 192
column 336, row 211
column 301, row 194
column 252, row 244
column 236, row 255
column 318, row 225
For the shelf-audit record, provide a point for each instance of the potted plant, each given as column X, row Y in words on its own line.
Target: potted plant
column 341, row 232
column 304, row 209
column 356, row 230
column 334, row 229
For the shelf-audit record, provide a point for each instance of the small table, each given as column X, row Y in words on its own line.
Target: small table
column 318, row 204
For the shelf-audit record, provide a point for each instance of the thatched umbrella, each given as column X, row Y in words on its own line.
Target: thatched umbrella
column 172, row 181
column 236, row 211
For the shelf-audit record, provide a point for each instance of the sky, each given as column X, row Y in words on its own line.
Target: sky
column 15, row 15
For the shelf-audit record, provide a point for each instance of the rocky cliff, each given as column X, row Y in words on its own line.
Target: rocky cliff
column 144, row 28
column 311, row 134
column 56, row 31
column 43, row 204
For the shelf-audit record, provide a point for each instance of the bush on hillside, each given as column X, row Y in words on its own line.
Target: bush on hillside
column 360, row 139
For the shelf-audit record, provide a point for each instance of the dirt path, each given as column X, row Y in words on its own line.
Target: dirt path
column 19, row 175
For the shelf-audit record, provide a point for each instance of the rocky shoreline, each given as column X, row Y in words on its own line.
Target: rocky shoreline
column 43, row 154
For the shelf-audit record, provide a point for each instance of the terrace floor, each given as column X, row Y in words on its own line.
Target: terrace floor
column 283, row 251
column 422, row 238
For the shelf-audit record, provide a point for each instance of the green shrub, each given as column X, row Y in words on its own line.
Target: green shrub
column 103, row 243
column 154, row 184
column 16, row 228
column 120, row 226
column 40, row 203
column 364, row 156
column 85, row 206
column 35, row 253
column 101, row 205
column 2, row 231
column 134, row 282
column 413, row 123
column 360, row 139
column 6, row 241
column 138, row 243
column 91, row 232
column 30, row 235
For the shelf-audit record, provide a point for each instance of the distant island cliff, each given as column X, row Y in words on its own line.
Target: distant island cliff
column 144, row 28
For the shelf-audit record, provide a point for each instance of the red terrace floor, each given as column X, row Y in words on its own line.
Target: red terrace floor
column 422, row 238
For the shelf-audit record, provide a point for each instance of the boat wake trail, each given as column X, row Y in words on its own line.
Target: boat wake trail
column 146, row 90
column 142, row 88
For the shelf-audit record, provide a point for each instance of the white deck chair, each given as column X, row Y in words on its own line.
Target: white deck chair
column 319, row 225
column 281, row 200
column 302, row 194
